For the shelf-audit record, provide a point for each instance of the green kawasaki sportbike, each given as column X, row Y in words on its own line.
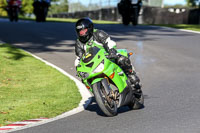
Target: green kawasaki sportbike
column 107, row 81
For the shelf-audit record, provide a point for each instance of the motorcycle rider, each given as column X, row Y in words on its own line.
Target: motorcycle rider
column 125, row 8
column 41, row 9
column 16, row 5
column 86, row 33
column 129, row 3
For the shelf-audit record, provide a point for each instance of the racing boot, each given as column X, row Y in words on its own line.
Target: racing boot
column 136, row 85
column 126, row 65
column 134, row 79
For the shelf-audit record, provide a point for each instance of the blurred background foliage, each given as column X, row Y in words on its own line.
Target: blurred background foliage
column 57, row 6
column 2, row 8
column 60, row 6
column 193, row 3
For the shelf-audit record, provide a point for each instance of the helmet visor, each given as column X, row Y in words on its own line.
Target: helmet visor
column 83, row 32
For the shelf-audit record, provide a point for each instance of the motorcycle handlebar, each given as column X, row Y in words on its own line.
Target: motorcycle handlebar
column 112, row 56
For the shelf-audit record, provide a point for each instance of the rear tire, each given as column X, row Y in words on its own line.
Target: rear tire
column 135, row 18
column 125, row 20
column 102, row 102
column 11, row 19
column 135, row 21
column 16, row 17
column 138, row 101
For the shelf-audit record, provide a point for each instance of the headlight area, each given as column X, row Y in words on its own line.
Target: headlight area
column 99, row 68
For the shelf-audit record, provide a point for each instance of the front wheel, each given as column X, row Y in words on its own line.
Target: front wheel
column 109, row 108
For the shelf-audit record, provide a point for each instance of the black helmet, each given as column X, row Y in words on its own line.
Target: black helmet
column 84, row 29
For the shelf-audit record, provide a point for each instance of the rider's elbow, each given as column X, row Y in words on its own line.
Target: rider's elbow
column 111, row 43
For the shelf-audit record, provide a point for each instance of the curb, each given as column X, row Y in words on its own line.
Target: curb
column 86, row 100
column 20, row 124
column 190, row 31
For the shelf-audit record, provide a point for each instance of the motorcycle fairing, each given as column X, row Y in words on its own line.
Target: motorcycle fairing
column 86, row 73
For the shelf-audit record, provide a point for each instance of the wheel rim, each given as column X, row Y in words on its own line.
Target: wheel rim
column 112, row 106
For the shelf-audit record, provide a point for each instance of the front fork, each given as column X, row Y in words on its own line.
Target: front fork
column 110, row 95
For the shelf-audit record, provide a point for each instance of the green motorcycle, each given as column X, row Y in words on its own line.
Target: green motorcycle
column 107, row 81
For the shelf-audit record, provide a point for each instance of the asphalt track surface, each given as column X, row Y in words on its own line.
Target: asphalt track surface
column 168, row 62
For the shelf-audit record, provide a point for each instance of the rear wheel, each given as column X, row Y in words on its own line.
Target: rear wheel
column 106, row 104
column 138, row 101
column 135, row 21
column 11, row 15
column 11, row 19
column 125, row 19
column 135, row 17
column 16, row 15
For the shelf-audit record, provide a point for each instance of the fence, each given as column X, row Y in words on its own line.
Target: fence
column 150, row 15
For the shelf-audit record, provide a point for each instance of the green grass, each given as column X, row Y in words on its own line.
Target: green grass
column 68, row 20
column 74, row 20
column 182, row 26
column 71, row 20
column 31, row 89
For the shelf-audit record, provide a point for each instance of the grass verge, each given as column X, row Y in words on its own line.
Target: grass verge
column 31, row 89
column 71, row 20
column 182, row 26
column 68, row 20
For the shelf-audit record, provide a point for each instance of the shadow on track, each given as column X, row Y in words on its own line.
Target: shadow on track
column 14, row 54
column 141, row 31
column 39, row 37
column 93, row 107
column 60, row 37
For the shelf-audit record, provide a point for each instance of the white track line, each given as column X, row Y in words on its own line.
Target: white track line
column 190, row 31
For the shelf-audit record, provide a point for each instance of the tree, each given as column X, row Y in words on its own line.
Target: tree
column 58, row 6
column 78, row 6
column 3, row 4
column 192, row 3
column 27, row 7
column 175, row 6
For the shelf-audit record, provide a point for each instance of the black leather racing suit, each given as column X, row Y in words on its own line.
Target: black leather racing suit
column 100, row 37
column 104, row 40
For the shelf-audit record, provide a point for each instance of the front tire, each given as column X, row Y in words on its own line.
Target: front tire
column 107, row 109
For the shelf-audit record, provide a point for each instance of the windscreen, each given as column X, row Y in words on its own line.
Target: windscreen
column 91, row 52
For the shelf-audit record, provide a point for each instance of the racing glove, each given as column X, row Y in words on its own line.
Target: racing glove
column 112, row 53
